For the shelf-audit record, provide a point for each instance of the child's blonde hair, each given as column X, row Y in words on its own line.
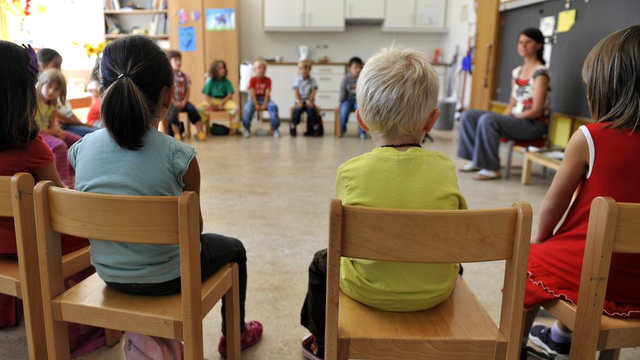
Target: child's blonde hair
column 53, row 76
column 305, row 63
column 397, row 90
column 260, row 62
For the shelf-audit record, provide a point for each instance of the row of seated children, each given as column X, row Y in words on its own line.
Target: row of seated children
column 23, row 148
column 398, row 173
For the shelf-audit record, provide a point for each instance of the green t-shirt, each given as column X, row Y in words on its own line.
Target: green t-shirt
column 44, row 115
column 412, row 179
column 218, row 89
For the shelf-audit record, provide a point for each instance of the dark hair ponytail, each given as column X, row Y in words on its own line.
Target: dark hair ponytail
column 535, row 35
column 18, row 100
column 134, row 73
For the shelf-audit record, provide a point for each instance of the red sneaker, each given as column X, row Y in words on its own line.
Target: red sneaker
column 250, row 337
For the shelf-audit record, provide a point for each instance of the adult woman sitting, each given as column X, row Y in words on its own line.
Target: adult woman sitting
column 525, row 118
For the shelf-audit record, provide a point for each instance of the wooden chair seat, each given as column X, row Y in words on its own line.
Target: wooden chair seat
column 10, row 272
column 154, row 315
column 615, row 333
column 459, row 322
column 10, row 277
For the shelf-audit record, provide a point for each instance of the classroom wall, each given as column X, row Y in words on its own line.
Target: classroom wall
column 356, row 40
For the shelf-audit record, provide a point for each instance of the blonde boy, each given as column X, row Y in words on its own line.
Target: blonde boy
column 304, row 89
column 397, row 94
column 260, row 90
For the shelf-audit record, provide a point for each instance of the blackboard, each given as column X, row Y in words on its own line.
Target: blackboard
column 595, row 19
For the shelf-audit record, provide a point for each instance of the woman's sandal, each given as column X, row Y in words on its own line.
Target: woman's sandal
column 487, row 175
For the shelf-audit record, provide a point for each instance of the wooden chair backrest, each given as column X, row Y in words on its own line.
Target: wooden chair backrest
column 134, row 219
column 613, row 227
column 16, row 201
column 440, row 236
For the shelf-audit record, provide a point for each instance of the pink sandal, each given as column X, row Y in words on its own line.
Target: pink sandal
column 251, row 336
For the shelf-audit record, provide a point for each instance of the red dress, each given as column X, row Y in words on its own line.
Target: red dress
column 555, row 265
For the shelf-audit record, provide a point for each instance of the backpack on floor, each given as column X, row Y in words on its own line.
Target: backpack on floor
column 309, row 131
column 218, row 129
column 145, row 347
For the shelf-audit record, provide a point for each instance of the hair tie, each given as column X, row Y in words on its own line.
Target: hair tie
column 34, row 68
column 124, row 74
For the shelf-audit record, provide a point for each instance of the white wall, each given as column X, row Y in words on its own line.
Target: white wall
column 356, row 40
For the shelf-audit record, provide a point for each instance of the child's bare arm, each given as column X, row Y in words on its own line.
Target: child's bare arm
column 225, row 99
column 186, row 98
column 267, row 96
column 571, row 172
column 254, row 98
column 191, row 181
column 49, row 172
column 72, row 120
column 296, row 93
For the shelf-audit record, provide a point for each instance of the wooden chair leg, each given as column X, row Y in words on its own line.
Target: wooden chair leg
column 336, row 123
column 611, row 354
column 112, row 337
column 507, row 170
column 526, row 171
column 232, row 317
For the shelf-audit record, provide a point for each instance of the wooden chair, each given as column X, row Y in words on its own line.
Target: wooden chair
column 458, row 328
column 613, row 227
column 132, row 219
column 21, row 278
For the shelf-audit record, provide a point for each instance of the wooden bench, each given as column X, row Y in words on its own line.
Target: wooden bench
column 538, row 158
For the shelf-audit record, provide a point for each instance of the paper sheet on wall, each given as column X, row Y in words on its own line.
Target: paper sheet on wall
column 221, row 19
column 187, row 39
column 547, row 25
column 566, row 19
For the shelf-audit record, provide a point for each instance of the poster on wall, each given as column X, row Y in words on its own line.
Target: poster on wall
column 187, row 39
column 221, row 19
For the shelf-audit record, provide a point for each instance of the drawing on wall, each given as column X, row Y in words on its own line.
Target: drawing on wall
column 183, row 16
column 187, row 39
column 221, row 19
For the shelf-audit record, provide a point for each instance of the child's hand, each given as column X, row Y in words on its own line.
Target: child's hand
column 299, row 104
column 311, row 104
column 59, row 134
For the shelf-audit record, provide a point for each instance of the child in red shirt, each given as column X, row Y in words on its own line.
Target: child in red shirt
column 260, row 88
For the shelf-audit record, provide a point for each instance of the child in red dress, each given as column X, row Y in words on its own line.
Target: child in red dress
column 601, row 159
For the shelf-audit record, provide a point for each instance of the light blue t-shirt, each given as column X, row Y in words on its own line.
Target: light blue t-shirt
column 155, row 169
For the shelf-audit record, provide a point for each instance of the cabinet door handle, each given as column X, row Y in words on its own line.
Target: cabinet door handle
column 324, row 96
column 325, row 78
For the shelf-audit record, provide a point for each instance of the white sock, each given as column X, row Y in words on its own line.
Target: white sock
column 560, row 336
column 489, row 173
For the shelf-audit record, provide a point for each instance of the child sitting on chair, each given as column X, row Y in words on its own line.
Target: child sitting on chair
column 304, row 88
column 397, row 95
column 181, row 100
column 218, row 91
column 348, row 103
column 260, row 90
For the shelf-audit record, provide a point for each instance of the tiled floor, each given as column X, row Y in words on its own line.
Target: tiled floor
column 273, row 194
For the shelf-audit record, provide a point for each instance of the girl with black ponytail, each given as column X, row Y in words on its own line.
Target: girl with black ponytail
column 524, row 119
column 131, row 157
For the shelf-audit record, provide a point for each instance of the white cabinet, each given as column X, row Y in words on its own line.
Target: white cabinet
column 283, row 13
column 430, row 14
column 323, row 14
column 415, row 16
column 327, row 76
column 303, row 15
column 364, row 9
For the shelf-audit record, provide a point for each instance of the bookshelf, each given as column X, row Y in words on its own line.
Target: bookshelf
column 142, row 17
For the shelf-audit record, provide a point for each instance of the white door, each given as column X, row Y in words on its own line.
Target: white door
column 283, row 14
column 430, row 13
column 400, row 14
column 324, row 14
column 364, row 9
